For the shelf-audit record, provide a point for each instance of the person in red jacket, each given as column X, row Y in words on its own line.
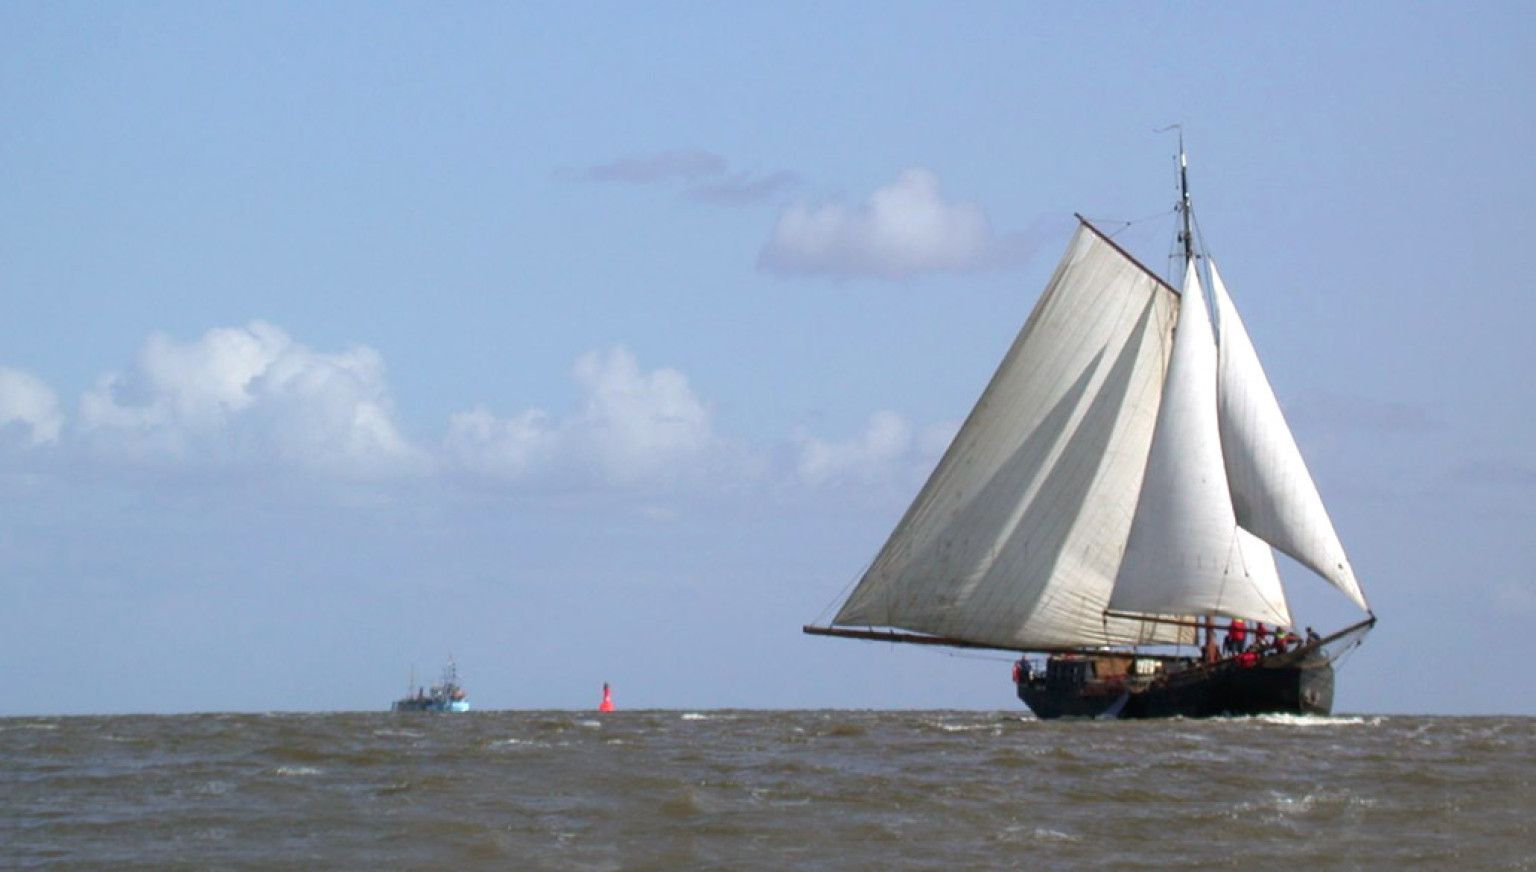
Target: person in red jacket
column 1237, row 635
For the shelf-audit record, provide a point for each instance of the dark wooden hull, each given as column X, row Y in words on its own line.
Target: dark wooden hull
column 1294, row 683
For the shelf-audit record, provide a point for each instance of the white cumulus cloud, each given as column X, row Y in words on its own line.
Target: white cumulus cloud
column 633, row 425
column 887, row 451
column 904, row 228
column 865, row 457
column 251, row 394
column 634, row 420
column 29, row 404
column 254, row 399
column 502, row 447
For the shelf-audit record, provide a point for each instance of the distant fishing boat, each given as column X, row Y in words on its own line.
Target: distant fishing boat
column 445, row 696
column 1117, row 491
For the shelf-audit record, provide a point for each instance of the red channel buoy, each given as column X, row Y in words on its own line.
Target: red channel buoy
column 607, row 704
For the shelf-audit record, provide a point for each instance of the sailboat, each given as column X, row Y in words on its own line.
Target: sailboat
column 1120, row 489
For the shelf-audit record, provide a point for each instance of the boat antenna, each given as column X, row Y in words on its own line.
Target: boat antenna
column 1186, row 235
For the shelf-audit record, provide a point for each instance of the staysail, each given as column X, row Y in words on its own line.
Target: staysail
column 1273, row 495
column 1185, row 553
column 1016, row 537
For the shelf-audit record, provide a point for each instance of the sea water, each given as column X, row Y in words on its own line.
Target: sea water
column 764, row 790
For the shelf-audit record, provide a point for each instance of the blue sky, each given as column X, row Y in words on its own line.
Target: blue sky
column 608, row 344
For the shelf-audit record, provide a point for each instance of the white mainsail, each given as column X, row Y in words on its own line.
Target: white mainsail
column 1185, row 553
column 1273, row 495
column 1016, row 537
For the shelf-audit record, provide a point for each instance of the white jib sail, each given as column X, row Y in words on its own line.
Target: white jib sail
column 1273, row 495
column 1016, row 536
column 1185, row 553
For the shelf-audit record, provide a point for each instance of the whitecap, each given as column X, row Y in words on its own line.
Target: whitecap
column 693, row 716
column 1316, row 720
column 1294, row 804
column 293, row 771
column 404, row 734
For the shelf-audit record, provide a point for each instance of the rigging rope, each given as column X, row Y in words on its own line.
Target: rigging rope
column 824, row 616
column 1125, row 225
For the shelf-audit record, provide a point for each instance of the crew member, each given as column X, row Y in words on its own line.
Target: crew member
column 1237, row 635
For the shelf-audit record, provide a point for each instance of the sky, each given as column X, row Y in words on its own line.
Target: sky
column 608, row 343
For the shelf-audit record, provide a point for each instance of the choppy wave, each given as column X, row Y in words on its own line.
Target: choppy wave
column 764, row 790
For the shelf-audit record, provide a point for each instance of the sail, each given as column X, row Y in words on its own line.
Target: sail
column 1185, row 553
column 1016, row 536
column 1272, row 493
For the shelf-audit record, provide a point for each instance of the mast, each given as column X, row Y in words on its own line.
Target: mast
column 1186, row 236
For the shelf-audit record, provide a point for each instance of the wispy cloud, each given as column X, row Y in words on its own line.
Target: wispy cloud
column 904, row 228
column 703, row 176
column 659, row 167
column 743, row 188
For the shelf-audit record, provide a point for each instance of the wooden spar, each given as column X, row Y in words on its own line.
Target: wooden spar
column 1362, row 625
column 1125, row 254
column 1205, row 623
column 1202, row 623
column 1208, row 623
column 910, row 638
column 947, row 642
